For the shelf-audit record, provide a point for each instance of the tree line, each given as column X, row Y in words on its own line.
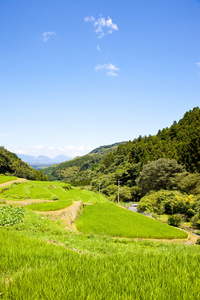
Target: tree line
column 10, row 163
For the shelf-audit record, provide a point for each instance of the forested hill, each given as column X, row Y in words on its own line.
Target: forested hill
column 106, row 148
column 76, row 168
column 10, row 163
column 181, row 142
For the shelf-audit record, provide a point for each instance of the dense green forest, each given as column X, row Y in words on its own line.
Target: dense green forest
column 10, row 163
column 77, row 168
column 179, row 143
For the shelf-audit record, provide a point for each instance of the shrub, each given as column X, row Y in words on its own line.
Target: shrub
column 198, row 241
column 195, row 220
column 174, row 220
column 67, row 186
column 11, row 215
column 54, row 198
column 197, row 224
column 170, row 202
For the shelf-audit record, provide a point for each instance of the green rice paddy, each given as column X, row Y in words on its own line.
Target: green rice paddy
column 112, row 220
column 33, row 268
column 39, row 259
column 4, row 178
column 57, row 191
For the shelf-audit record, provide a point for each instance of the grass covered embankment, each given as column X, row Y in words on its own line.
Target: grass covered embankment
column 31, row 268
column 109, row 219
column 4, row 178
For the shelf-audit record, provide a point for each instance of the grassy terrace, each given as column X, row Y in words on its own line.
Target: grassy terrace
column 33, row 268
column 40, row 259
column 59, row 194
column 112, row 220
column 4, row 178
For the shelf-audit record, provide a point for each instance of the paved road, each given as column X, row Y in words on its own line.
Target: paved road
column 133, row 207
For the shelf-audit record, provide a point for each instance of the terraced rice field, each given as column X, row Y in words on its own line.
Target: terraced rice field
column 60, row 195
column 109, row 219
column 4, row 178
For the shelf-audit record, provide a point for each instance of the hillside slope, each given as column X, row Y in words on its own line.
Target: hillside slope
column 79, row 168
column 181, row 142
column 12, row 164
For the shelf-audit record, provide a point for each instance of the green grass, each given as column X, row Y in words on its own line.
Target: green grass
column 50, row 206
column 112, row 220
column 4, row 178
column 80, row 266
column 31, row 268
column 39, row 192
column 11, row 215
column 17, row 191
column 50, row 191
column 87, row 196
column 162, row 218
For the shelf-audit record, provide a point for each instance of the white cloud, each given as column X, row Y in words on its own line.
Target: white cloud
column 73, row 151
column 111, row 70
column 50, row 151
column 198, row 64
column 102, row 26
column 38, row 147
column 47, row 35
column 89, row 148
column 62, row 149
column 19, row 151
column 89, row 19
column 98, row 48
column 70, row 147
column 80, row 148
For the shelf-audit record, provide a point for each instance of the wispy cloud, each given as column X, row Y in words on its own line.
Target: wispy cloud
column 38, row 147
column 101, row 25
column 51, row 151
column 19, row 151
column 46, row 35
column 98, row 48
column 198, row 64
column 75, row 151
column 111, row 70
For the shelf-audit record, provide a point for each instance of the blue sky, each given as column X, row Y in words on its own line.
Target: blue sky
column 75, row 75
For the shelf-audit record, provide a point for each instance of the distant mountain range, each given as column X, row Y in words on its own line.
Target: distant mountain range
column 42, row 160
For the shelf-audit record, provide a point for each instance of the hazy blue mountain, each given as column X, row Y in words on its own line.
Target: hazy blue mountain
column 61, row 158
column 42, row 160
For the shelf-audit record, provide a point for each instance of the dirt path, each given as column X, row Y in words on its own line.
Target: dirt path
column 13, row 181
column 68, row 215
column 25, row 202
column 191, row 240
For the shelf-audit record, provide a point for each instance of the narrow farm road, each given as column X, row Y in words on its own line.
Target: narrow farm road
column 13, row 181
column 133, row 207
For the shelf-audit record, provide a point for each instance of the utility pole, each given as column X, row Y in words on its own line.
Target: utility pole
column 118, row 190
column 99, row 186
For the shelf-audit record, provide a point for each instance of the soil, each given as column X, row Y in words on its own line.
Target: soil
column 13, row 181
column 68, row 215
column 25, row 202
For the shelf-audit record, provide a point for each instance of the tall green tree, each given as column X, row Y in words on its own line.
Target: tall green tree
column 157, row 175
